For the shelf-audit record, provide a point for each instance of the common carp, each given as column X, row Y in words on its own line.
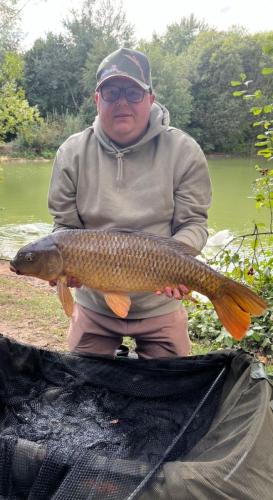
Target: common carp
column 118, row 263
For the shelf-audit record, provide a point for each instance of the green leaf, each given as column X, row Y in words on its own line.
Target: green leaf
column 264, row 143
column 238, row 93
column 267, row 71
column 256, row 111
column 268, row 108
column 258, row 94
column 235, row 83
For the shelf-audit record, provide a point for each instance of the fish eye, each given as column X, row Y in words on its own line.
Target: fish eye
column 29, row 257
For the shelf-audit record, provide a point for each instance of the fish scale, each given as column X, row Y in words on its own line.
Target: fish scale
column 142, row 267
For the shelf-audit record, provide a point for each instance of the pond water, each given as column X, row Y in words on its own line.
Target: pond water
column 23, row 201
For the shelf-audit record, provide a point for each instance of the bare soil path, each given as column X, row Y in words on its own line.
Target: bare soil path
column 30, row 311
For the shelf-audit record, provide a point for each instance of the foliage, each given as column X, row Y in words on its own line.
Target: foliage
column 170, row 84
column 9, row 27
column 10, row 19
column 249, row 263
column 219, row 123
column 180, row 35
column 240, row 264
column 58, row 69
column 262, row 111
column 45, row 138
column 51, row 78
column 16, row 116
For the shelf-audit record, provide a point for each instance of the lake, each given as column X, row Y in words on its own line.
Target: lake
column 23, row 201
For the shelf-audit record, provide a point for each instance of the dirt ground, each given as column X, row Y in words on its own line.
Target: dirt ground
column 22, row 315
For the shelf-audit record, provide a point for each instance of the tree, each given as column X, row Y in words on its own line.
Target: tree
column 219, row 123
column 10, row 18
column 52, row 79
column 179, row 36
column 60, row 71
column 10, row 34
column 171, row 87
column 15, row 113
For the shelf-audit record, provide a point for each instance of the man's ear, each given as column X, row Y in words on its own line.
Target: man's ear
column 152, row 98
column 96, row 98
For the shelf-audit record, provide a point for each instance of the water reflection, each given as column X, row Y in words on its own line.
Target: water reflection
column 14, row 236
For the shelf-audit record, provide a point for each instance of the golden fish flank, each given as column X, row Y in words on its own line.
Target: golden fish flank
column 121, row 262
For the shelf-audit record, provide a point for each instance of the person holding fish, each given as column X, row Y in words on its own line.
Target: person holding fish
column 131, row 170
column 129, row 196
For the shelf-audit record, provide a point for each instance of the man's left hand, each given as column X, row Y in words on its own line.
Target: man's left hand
column 178, row 293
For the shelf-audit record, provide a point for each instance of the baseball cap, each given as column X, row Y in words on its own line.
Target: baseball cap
column 129, row 63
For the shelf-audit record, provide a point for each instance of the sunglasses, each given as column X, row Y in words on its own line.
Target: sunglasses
column 111, row 93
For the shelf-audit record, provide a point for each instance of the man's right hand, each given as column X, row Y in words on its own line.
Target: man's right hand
column 71, row 282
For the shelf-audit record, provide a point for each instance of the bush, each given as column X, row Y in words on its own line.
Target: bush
column 45, row 139
column 253, row 267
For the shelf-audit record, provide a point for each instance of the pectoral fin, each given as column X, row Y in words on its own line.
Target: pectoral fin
column 65, row 297
column 118, row 303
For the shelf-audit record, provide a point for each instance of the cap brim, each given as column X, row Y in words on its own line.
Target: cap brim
column 144, row 86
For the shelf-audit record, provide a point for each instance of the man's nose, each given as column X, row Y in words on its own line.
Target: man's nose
column 122, row 96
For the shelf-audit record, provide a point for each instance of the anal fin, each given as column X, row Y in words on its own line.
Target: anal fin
column 65, row 296
column 118, row 303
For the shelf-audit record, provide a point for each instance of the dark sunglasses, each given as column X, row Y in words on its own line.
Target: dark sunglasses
column 112, row 93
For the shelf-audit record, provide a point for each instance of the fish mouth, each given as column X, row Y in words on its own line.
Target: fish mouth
column 13, row 268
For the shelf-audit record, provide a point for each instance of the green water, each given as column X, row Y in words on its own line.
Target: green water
column 23, row 201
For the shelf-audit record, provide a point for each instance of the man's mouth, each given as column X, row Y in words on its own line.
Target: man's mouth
column 123, row 115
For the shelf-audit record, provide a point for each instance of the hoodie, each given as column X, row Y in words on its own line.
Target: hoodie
column 160, row 185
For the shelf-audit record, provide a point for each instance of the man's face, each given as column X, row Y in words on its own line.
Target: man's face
column 123, row 121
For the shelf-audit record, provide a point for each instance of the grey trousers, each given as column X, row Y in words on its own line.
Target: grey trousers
column 157, row 337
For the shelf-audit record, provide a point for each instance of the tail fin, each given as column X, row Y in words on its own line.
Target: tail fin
column 235, row 306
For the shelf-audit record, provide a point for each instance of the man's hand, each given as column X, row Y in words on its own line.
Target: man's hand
column 71, row 282
column 178, row 293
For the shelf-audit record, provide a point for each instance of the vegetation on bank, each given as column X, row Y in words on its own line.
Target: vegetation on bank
column 248, row 257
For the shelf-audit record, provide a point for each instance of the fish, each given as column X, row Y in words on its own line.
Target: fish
column 119, row 262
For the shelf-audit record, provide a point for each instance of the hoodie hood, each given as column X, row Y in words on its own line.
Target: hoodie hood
column 159, row 121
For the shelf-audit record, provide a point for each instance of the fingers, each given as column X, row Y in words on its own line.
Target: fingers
column 177, row 293
column 183, row 289
column 71, row 282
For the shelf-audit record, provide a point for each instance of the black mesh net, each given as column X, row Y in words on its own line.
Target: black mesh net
column 96, row 428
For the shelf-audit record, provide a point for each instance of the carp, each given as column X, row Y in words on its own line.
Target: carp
column 119, row 262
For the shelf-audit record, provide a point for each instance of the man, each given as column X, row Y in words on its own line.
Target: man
column 131, row 170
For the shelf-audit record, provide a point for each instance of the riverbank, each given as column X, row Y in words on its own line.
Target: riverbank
column 15, row 159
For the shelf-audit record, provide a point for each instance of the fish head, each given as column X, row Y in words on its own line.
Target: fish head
column 41, row 259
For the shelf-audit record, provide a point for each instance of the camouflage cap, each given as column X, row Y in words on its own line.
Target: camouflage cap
column 128, row 63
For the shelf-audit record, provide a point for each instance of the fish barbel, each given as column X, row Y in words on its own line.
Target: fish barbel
column 117, row 263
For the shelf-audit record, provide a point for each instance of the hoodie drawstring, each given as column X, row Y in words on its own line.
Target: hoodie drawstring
column 119, row 157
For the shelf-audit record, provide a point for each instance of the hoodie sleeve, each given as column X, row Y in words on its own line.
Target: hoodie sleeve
column 62, row 191
column 192, row 196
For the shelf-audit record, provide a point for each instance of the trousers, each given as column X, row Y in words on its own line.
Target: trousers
column 155, row 337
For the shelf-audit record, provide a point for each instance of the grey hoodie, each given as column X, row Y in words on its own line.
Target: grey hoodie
column 160, row 185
